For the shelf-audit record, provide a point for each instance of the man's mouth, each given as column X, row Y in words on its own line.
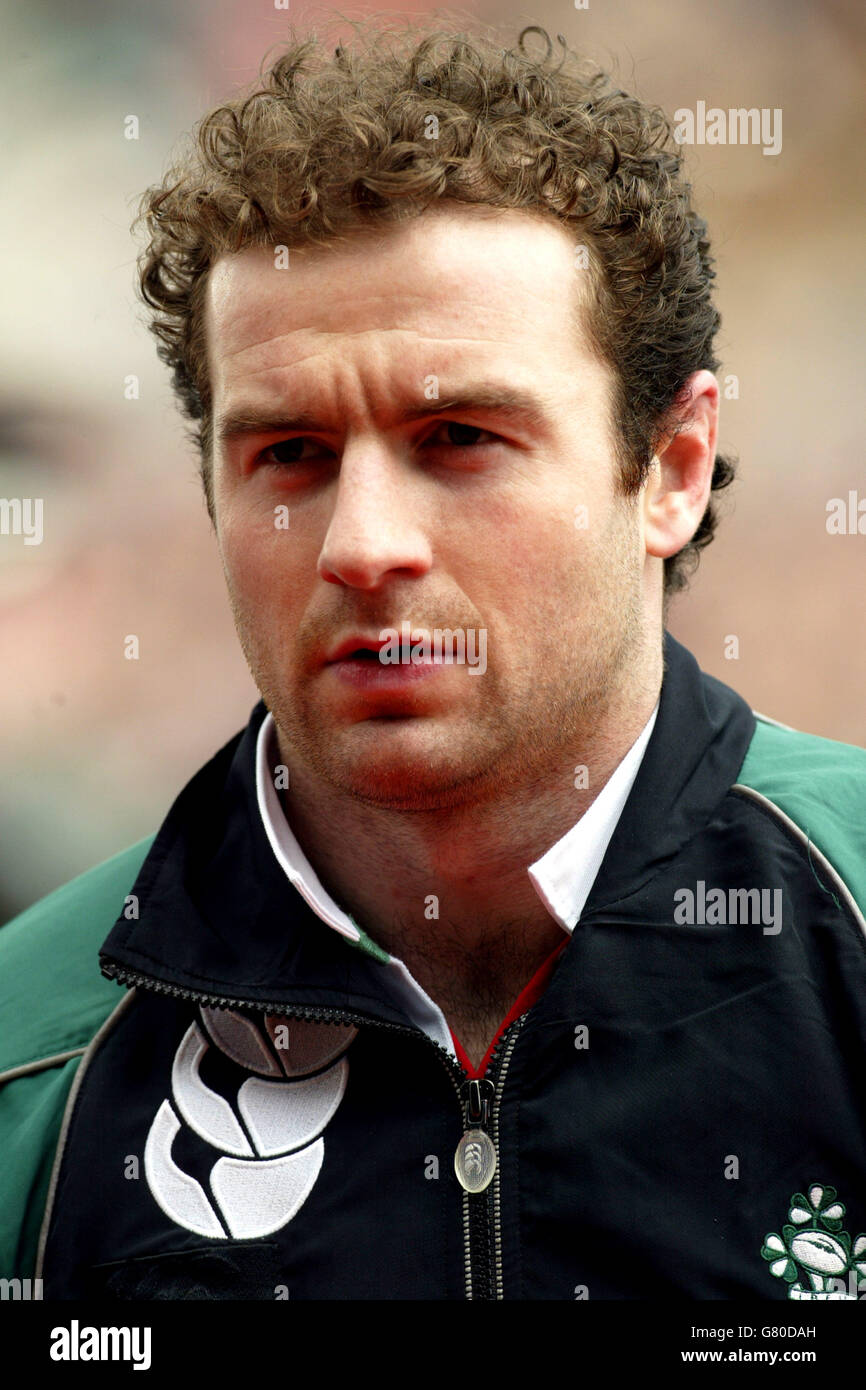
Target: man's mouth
column 359, row 662
column 356, row 647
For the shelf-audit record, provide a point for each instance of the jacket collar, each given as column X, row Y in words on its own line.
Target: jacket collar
column 698, row 745
column 212, row 913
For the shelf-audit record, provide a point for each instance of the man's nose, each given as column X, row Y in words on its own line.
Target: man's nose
column 377, row 525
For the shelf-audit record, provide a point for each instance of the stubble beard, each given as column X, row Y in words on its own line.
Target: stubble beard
column 517, row 740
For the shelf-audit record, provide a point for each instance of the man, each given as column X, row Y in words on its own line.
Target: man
column 504, row 954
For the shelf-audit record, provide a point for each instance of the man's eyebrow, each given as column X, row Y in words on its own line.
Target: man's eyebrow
column 507, row 401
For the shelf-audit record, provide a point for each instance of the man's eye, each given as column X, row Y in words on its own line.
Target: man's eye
column 459, row 436
column 288, row 451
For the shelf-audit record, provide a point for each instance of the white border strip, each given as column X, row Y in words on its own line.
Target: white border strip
column 814, row 852
column 765, row 719
column 41, row 1064
column 93, row 1047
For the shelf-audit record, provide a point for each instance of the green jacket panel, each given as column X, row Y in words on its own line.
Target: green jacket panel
column 53, row 999
column 51, row 953
column 821, row 786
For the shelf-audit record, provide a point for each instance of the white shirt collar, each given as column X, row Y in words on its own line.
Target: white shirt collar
column 564, row 875
column 417, row 1004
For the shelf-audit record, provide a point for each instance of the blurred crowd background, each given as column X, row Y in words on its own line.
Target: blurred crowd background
column 95, row 747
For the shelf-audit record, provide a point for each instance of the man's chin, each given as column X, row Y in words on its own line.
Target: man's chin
column 402, row 769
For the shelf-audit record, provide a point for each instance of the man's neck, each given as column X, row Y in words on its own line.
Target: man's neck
column 447, row 890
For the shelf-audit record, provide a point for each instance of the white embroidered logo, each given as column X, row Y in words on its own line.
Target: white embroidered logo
column 806, row 1248
column 270, row 1137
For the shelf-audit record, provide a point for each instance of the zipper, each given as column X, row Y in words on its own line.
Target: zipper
column 479, row 1101
column 482, row 1101
column 511, row 1035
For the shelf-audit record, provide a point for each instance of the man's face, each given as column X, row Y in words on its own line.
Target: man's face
column 384, row 506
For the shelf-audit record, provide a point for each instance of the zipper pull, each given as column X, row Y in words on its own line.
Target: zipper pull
column 475, row 1159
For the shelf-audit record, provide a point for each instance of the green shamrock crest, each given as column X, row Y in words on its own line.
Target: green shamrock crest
column 806, row 1242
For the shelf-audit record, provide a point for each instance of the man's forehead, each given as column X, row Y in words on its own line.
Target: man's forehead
column 464, row 273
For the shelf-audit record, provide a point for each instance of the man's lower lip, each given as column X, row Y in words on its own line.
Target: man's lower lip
column 380, row 675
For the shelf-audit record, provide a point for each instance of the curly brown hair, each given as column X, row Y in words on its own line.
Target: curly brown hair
column 332, row 142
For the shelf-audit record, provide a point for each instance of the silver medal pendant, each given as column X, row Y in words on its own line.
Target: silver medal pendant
column 475, row 1160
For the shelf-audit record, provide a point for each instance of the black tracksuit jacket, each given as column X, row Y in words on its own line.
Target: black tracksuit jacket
column 258, row 1119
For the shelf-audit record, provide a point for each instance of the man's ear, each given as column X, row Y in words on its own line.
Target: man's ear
column 678, row 485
